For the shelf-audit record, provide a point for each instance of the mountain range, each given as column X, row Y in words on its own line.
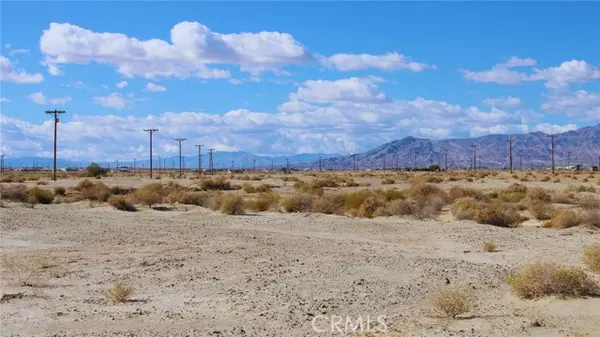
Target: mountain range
column 531, row 150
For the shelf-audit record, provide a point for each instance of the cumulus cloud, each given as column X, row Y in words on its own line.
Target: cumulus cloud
column 554, row 128
column 190, row 51
column 115, row 100
column 580, row 103
column 153, row 87
column 386, row 62
column 4, row 100
column 122, row 84
column 40, row 98
column 574, row 71
column 15, row 51
column 10, row 74
column 352, row 89
column 503, row 102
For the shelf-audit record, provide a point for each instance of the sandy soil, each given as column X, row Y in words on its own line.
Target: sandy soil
column 200, row 273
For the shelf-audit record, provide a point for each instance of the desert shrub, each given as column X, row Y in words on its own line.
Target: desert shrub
column 545, row 178
column 351, row 183
column 297, row 203
column 457, row 192
column 489, row 247
column 218, row 184
column 29, row 270
column 328, row 182
column 59, row 190
column 262, row 188
column 580, row 188
column 591, row 217
column 290, row 179
column 329, row 204
column 150, row 194
column 94, row 170
column 40, row 195
column 563, row 197
column 540, row 210
column 465, row 208
column 187, row 197
column 398, row 207
column 232, row 204
column 388, row 181
column 591, row 257
column 421, row 192
column 368, row 207
column 353, row 200
column 494, row 213
column 426, row 179
column 121, row 203
column 304, row 187
column 16, row 193
column 538, row 194
column 118, row 190
column 391, row 194
column 95, row 191
column 452, row 302
column 7, row 179
column 564, row 218
column 588, row 202
column 542, row 278
column 513, row 193
column 263, row 202
column 118, row 293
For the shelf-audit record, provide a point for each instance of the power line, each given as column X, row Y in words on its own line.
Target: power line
column 199, row 146
column 179, row 140
column 55, row 113
column 151, row 131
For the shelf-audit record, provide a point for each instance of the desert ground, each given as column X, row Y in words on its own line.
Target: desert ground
column 195, row 271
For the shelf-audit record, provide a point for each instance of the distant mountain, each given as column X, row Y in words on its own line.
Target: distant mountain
column 220, row 160
column 529, row 150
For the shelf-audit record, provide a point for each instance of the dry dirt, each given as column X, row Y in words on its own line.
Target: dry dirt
column 199, row 273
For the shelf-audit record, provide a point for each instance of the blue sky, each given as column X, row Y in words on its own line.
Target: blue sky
column 283, row 78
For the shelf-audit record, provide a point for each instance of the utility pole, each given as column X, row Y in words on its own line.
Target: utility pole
column 354, row 167
column 210, row 160
column 55, row 113
column 159, row 164
column 179, row 140
column 254, row 164
column 199, row 146
column 384, row 163
column 2, row 163
column 521, row 161
column 320, row 165
column 151, row 131
column 568, row 158
column 446, row 160
column 510, row 157
column 552, row 149
column 134, row 162
column 287, row 165
column 474, row 146
column 414, row 160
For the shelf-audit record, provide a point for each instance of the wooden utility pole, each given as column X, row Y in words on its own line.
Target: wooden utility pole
column 199, row 146
column 2, row 163
column 179, row 140
column 134, row 162
column 474, row 146
column 552, row 149
column 521, row 161
column 414, row 160
column 320, row 165
column 354, row 166
column 568, row 158
column 210, row 160
column 287, row 165
column 510, row 157
column 151, row 131
column 55, row 113
column 254, row 164
column 446, row 159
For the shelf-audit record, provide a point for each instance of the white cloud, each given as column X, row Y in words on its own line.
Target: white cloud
column 15, row 51
column 235, row 81
column 4, row 100
column 122, row 84
column 503, row 102
column 574, row 71
column 155, row 87
column 554, row 128
column 114, row 100
column 40, row 98
column 192, row 48
column 54, row 70
column 352, row 89
column 576, row 104
column 10, row 74
column 387, row 62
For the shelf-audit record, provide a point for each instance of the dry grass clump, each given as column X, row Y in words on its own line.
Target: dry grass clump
column 263, row 202
column 329, row 204
column 290, row 179
column 232, row 204
column 538, row 194
column 543, row 278
column 564, row 218
column 368, row 207
column 262, row 188
column 40, row 195
column 121, row 203
column 304, row 187
column 580, row 188
column 513, row 193
column 398, row 207
column 150, row 194
column 325, row 182
column 198, row 198
column 218, row 184
column 591, row 257
column 297, row 203
column 423, row 179
column 388, row 181
column 16, row 193
column 494, row 213
column 591, row 217
column 29, row 270
column 589, row 202
column 93, row 191
column 59, row 190
column 457, row 192
column 452, row 302
column 118, row 293
column 563, row 197
column 540, row 210
column 489, row 247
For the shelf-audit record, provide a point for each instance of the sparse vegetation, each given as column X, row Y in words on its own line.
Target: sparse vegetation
column 121, row 203
column 565, row 218
column 297, row 203
column 387, row 181
column 543, row 278
column 452, row 302
column 262, row 188
column 232, row 204
column 94, row 170
column 59, row 190
column 489, row 247
column 40, row 195
column 17, row 193
column 118, row 293
column 591, row 257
